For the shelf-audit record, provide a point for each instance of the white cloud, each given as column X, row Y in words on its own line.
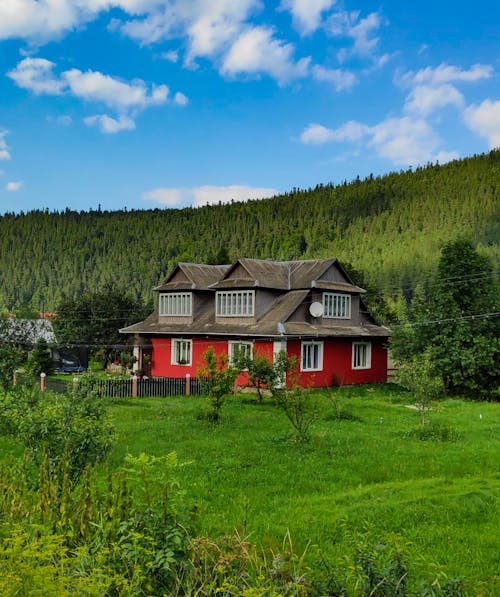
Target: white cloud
column 171, row 56
column 446, row 73
column 484, row 120
column 4, row 148
column 339, row 78
column 256, row 51
column 361, row 31
column 404, row 141
column 307, row 13
column 424, row 99
column 12, row 187
column 36, row 74
column 204, row 195
column 94, row 86
column 316, row 134
column 180, row 99
column 44, row 20
column 109, row 125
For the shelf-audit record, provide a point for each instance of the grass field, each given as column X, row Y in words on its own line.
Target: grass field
column 365, row 475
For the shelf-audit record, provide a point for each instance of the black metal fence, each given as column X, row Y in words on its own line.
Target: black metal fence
column 124, row 388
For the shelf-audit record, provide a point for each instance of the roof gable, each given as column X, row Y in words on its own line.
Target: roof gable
column 199, row 276
column 283, row 275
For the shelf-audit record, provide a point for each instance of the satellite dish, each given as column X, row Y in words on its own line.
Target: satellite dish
column 316, row 309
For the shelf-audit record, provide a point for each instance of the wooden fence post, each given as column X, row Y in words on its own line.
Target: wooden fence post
column 42, row 381
column 188, row 384
column 14, row 379
column 134, row 386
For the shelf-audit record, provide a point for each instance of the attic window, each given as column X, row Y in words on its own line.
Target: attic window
column 235, row 303
column 336, row 305
column 176, row 304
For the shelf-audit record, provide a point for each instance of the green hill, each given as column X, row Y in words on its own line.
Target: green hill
column 390, row 227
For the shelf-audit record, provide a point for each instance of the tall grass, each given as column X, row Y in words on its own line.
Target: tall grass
column 364, row 476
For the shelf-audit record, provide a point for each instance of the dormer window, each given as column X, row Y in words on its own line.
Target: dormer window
column 336, row 305
column 235, row 303
column 176, row 304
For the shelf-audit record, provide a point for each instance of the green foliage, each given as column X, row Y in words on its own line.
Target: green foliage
column 131, row 539
column 40, row 360
column 261, row 374
column 94, row 318
column 52, row 425
column 217, row 379
column 391, row 227
column 418, row 376
column 455, row 321
column 299, row 404
column 11, row 358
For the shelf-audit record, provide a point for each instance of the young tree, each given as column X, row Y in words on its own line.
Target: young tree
column 11, row 358
column 456, row 321
column 260, row 371
column 217, row 379
column 419, row 377
column 41, row 359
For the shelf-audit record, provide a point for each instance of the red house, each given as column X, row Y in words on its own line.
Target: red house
column 311, row 309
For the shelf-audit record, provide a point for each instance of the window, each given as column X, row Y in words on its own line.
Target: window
column 336, row 306
column 234, row 303
column 311, row 356
column 181, row 352
column 176, row 304
column 361, row 355
column 240, row 349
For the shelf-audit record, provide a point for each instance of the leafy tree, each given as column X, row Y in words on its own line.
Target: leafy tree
column 41, row 359
column 95, row 318
column 261, row 373
column 419, row 377
column 11, row 358
column 456, row 321
column 217, row 379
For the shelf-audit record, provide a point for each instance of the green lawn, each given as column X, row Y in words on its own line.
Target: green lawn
column 367, row 475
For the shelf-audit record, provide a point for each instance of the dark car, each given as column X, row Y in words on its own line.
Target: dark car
column 70, row 365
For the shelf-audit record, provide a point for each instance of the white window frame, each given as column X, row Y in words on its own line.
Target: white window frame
column 361, row 355
column 233, row 344
column 174, row 351
column 176, row 304
column 305, row 347
column 336, row 305
column 235, row 303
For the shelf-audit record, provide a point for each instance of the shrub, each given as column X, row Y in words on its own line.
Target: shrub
column 217, row 379
column 52, row 424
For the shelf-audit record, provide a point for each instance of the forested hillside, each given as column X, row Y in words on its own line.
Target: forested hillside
column 389, row 227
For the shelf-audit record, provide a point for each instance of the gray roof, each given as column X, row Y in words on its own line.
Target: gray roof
column 272, row 324
column 295, row 279
column 200, row 276
column 282, row 275
column 26, row 331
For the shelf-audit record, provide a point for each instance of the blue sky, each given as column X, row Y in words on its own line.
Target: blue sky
column 166, row 103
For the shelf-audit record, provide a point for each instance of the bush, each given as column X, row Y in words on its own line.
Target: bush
column 217, row 379
column 51, row 425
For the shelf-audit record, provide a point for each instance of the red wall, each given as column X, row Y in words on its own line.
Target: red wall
column 337, row 359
